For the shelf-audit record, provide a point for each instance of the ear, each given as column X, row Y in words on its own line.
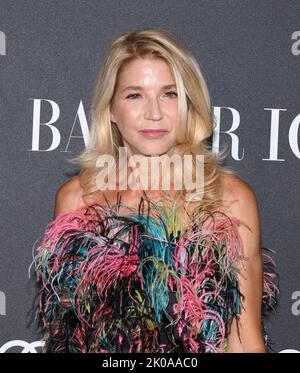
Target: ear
column 112, row 117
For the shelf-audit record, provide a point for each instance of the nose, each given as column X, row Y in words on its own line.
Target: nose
column 152, row 110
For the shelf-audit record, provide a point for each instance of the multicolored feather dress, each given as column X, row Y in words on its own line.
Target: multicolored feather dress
column 142, row 281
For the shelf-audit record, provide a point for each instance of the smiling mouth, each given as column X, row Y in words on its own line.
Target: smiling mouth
column 153, row 133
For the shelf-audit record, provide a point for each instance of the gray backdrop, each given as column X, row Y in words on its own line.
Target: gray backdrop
column 50, row 52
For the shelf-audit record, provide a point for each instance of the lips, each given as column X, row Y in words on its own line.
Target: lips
column 153, row 133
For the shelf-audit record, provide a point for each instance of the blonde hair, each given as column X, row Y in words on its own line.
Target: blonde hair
column 195, row 126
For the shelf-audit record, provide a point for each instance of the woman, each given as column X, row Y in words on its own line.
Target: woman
column 146, row 270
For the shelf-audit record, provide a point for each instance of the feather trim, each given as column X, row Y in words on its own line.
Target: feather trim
column 141, row 281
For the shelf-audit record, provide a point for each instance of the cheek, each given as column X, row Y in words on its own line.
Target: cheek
column 172, row 110
column 127, row 117
column 173, row 116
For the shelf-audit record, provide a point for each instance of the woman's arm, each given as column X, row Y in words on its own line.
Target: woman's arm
column 251, row 275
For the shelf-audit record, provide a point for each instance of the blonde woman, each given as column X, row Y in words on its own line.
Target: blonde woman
column 141, row 269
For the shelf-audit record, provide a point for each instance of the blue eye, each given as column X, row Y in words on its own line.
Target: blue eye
column 134, row 95
column 171, row 92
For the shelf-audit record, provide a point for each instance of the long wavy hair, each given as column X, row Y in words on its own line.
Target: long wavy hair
column 195, row 127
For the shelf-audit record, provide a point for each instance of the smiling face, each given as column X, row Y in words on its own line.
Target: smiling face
column 146, row 99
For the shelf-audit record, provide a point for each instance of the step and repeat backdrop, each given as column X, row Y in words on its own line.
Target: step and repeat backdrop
column 50, row 53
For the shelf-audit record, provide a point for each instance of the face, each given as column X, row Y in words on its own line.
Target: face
column 145, row 107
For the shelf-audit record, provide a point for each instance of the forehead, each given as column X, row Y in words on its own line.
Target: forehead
column 137, row 70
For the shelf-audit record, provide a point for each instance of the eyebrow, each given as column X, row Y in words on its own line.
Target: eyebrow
column 139, row 88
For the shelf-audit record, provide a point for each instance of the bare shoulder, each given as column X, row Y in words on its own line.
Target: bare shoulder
column 238, row 194
column 241, row 202
column 243, row 205
column 69, row 196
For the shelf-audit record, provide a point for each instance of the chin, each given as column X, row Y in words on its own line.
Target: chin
column 154, row 152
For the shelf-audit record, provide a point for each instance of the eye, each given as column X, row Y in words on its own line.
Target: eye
column 133, row 96
column 172, row 93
